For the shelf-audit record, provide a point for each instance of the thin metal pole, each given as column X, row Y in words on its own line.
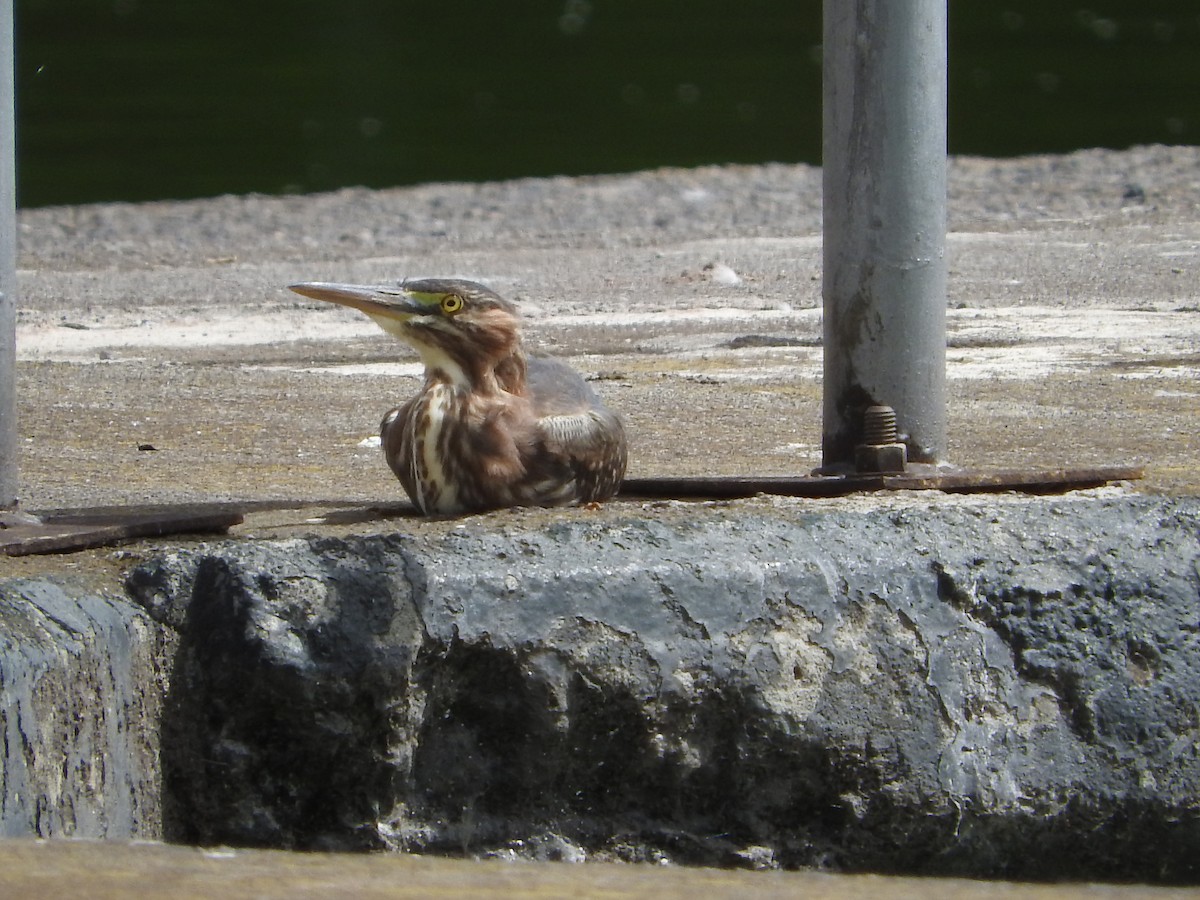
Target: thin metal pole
column 8, row 263
column 884, row 223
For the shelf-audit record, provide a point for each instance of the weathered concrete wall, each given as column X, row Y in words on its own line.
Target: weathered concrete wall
column 990, row 687
column 82, row 680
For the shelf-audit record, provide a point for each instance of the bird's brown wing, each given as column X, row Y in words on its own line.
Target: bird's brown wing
column 590, row 431
column 576, row 426
column 556, row 389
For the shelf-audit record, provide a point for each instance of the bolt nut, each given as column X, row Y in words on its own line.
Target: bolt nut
column 880, row 458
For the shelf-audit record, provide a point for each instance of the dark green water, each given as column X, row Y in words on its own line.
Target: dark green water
column 146, row 99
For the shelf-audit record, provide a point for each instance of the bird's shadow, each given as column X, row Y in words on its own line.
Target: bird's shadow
column 376, row 512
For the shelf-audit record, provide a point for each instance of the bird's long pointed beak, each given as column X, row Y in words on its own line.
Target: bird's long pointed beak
column 389, row 302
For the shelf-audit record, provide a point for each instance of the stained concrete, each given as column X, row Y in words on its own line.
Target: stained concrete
column 999, row 689
column 1073, row 323
column 83, row 676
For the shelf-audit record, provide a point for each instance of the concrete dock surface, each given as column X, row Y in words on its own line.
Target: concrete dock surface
column 162, row 360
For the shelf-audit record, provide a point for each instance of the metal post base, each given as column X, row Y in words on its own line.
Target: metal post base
column 914, row 478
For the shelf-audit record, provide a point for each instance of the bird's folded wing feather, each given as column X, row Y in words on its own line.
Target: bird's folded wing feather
column 578, row 433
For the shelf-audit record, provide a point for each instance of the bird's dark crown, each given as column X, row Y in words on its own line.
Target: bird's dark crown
column 480, row 334
column 473, row 294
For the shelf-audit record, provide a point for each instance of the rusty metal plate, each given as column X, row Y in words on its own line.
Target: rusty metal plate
column 957, row 481
column 67, row 531
column 64, row 531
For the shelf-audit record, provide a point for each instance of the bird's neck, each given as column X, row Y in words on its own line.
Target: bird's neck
column 475, row 376
column 510, row 372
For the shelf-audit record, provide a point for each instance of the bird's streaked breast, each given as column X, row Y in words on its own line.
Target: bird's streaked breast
column 437, row 485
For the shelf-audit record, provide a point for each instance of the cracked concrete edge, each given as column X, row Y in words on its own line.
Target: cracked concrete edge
column 995, row 672
column 982, row 666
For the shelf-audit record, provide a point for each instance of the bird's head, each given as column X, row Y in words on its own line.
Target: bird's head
column 461, row 329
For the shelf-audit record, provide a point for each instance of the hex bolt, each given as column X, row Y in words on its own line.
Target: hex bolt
column 879, row 426
column 881, row 450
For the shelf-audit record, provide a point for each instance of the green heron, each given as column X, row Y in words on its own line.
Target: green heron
column 490, row 427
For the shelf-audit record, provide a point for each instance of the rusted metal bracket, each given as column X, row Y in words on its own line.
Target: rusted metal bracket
column 925, row 478
column 67, row 531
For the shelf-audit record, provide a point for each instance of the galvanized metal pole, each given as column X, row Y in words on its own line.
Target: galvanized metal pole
column 884, row 223
column 8, row 263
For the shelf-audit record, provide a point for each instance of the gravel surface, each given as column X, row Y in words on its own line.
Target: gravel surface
column 691, row 297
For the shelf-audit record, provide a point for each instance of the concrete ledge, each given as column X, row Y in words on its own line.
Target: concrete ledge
column 987, row 686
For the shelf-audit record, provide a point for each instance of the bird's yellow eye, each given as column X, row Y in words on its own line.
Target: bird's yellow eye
column 451, row 303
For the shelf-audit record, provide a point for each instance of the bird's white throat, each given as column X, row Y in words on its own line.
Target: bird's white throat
column 436, row 359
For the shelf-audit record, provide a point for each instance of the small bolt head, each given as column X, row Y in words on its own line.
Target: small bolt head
column 880, row 458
